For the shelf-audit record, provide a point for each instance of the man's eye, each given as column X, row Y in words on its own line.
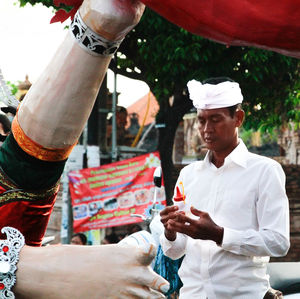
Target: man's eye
column 215, row 119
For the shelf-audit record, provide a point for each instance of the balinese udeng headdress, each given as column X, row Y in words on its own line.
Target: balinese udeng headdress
column 210, row 96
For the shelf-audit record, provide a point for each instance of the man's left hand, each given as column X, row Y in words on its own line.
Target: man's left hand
column 203, row 228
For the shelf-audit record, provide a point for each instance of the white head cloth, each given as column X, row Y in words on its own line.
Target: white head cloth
column 210, row 96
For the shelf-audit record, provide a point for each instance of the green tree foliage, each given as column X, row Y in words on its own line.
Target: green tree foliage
column 166, row 57
column 13, row 87
column 48, row 3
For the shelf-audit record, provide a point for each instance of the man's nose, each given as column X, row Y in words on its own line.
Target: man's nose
column 208, row 127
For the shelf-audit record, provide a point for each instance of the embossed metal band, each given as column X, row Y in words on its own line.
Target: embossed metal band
column 9, row 257
column 90, row 41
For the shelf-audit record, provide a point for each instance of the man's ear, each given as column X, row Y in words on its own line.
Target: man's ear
column 240, row 115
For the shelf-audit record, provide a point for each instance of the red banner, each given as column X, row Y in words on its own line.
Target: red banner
column 106, row 196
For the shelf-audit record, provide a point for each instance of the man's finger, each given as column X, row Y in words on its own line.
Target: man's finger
column 168, row 210
column 197, row 212
column 182, row 218
column 164, row 219
column 179, row 227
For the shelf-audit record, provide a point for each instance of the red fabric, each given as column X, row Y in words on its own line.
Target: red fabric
column 30, row 218
column 61, row 15
column 268, row 24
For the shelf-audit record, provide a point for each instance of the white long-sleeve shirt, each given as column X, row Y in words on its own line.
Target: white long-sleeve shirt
column 247, row 197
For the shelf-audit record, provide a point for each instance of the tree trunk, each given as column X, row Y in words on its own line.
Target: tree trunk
column 167, row 120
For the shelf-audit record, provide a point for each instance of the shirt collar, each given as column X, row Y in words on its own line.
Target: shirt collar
column 238, row 156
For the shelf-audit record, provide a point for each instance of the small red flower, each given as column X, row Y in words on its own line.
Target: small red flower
column 5, row 248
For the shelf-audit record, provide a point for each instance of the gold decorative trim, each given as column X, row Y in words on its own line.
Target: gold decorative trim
column 36, row 150
column 13, row 193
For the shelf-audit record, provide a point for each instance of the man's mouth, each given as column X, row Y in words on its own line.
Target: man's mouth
column 208, row 139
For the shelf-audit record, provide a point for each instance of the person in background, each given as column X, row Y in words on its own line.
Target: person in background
column 110, row 239
column 79, row 239
column 134, row 228
column 121, row 123
column 5, row 126
column 235, row 212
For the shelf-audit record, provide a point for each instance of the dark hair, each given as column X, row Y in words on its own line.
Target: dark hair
column 233, row 109
column 9, row 109
column 82, row 237
column 121, row 109
column 217, row 80
column 112, row 238
column 5, row 123
column 133, row 229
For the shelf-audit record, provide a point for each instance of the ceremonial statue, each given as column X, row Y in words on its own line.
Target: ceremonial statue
column 46, row 127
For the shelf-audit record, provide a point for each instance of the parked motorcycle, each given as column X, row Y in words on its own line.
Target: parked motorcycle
column 285, row 276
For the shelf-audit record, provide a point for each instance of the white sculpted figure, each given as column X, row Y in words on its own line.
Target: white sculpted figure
column 48, row 124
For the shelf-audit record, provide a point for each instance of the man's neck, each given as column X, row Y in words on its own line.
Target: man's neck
column 217, row 161
column 218, row 158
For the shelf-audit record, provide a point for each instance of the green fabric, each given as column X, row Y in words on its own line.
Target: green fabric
column 26, row 171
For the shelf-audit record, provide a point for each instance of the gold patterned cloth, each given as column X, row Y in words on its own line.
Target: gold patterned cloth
column 28, row 184
column 27, row 211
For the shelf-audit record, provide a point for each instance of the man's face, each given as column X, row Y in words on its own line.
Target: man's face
column 121, row 119
column 218, row 130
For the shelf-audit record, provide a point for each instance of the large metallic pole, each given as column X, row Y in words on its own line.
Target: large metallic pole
column 114, row 149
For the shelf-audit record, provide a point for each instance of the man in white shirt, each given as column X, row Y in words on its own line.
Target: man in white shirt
column 236, row 211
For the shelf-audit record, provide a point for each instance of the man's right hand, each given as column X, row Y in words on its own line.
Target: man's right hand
column 112, row 19
column 169, row 213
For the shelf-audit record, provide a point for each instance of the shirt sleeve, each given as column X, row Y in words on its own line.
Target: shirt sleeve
column 272, row 209
column 174, row 249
